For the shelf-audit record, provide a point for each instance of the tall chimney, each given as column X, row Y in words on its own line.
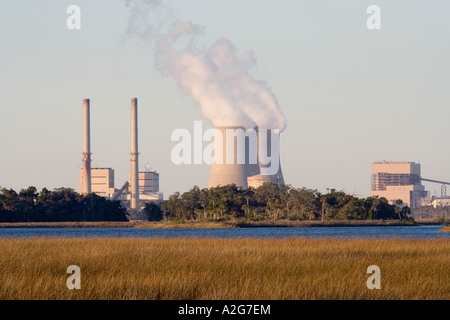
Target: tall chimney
column 86, row 175
column 134, row 156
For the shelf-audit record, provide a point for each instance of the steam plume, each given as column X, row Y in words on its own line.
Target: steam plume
column 217, row 78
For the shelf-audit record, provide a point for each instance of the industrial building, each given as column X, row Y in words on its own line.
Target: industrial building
column 102, row 184
column 148, row 189
column 398, row 180
column 440, row 202
column 102, row 181
column 139, row 189
column 259, row 179
column 435, row 201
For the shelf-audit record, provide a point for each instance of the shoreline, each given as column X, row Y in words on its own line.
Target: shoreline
column 225, row 224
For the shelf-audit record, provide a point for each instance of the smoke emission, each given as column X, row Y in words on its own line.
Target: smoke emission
column 217, row 78
column 145, row 20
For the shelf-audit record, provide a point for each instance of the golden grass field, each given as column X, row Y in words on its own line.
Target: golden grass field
column 188, row 268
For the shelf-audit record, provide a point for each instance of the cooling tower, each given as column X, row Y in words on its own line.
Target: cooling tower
column 245, row 157
column 269, row 145
column 235, row 156
column 268, row 149
column 134, row 156
column 86, row 171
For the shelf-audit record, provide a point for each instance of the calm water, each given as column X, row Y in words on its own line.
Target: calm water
column 429, row 231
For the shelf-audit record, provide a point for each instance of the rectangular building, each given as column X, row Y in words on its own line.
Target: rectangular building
column 148, row 189
column 102, row 184
column 102, row 181
column 441, row 202
column 397, row 180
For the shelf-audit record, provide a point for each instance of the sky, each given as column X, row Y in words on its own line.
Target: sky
column 350, row 95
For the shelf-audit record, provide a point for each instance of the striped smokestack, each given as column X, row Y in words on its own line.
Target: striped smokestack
column 86, row 173
column 134, row 156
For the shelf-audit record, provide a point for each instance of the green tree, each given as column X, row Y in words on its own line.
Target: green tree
column 306, row 204
column 173, row 207
column 191, row 202
column 153, row 212
column 9, row 199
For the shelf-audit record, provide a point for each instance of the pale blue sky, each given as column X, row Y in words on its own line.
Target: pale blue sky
column 351, row 95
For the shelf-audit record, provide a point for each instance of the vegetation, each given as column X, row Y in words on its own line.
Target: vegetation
column 270, row 202
column 61, row 204
column 228, row 203
column 187, row 268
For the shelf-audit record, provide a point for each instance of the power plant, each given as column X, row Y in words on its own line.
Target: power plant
column 238, row 157
column 402, row 180
column 139, row 189
column 245, row 157
column 397, row 180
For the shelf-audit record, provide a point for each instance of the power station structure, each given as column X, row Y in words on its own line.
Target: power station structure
column 237, row 157
column 134, row 172
column 398, row 180
column 265, row 148
column 402, row 180
column 85, row 173
column 139, row 189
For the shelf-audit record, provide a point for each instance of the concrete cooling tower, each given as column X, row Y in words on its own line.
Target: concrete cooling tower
column 227, row 168
column 236, row 158
column 268, row 174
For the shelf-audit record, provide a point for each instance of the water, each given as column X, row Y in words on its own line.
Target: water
column 426, row 231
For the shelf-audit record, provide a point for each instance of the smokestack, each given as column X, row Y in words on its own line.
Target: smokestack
column 227, row 169
column 86, row 175
column 134, row 156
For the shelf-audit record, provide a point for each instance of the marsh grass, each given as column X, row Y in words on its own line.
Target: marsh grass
column 445, row 229
column 191, row 268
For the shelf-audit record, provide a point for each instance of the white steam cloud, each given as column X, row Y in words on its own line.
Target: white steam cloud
column 217, row 78
column 146, row 18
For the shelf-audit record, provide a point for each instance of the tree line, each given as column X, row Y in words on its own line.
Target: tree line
column 61, row 204
column 271, row 202
column 224, row 203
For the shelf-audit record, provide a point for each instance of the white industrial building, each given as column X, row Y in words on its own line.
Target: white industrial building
column 148, row 189
column 440, row 202
column 102, row 181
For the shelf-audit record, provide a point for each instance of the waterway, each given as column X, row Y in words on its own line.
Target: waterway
column 421, row 231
